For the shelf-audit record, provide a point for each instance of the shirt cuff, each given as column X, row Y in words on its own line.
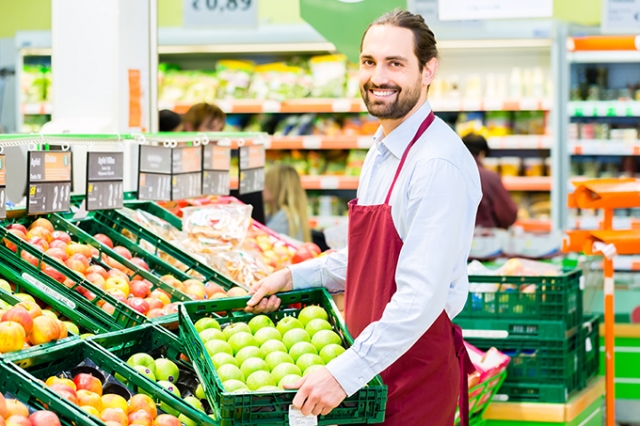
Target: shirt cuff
column 306, row 274
column 351, row 371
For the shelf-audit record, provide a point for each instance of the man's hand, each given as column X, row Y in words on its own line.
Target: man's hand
column 318, row 393
column 274, row 283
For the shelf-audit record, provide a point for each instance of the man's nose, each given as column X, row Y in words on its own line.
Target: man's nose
column 380, row 76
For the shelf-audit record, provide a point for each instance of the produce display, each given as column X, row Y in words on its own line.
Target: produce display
column 324, row 125
column 325, row 162
column 35, row 83
column 14, row 412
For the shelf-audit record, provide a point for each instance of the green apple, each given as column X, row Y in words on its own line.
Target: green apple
column 216, row 346
column 200, row 392
column 270, row 389
column 5, row 307
column 249, row 352
column 24, row 297
column 273, row 346
column 86, row 335
column 325, row 337
column 288, row 323
column 267, row 333
column 194, row 402
column 289, row 379
column 285, row 369
column 330, row 352
column 234, row 385
column 241, row 340
column 71, row 327
column 206, row 323
column 167, row 370
column 312, row 312
column 174, row 390
column 316, row 325
column 5, row 286
column 260, row 321
column 234, row 328
column 252, row 365
column 186, row 421
column 294, row 336
column 212, row 334
column 145, row 372
column 144, row 360
column 228, row 372
column 302, row 348
column 259, row 379
column 311, row 369
column 307, row 360
column 276, row 358
column 222, row 358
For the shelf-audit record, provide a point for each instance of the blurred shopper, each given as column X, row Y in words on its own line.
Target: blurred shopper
column 496, row 209
column 286, row 202
column 204, row 117
column 169, row 121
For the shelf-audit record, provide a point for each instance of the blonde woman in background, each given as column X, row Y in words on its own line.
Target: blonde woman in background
column 286, row 202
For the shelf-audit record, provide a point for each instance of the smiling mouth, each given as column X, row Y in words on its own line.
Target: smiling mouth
column 382, row 93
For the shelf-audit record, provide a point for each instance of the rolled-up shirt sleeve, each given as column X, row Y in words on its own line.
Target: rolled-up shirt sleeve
column 438, row 204
column 327, row 271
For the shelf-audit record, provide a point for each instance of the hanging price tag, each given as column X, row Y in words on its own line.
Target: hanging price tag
column 105, row 175
column 215, row 170
column 186, row 181
column 251, row 162
column 49, row 182
column 3, row 183
column 154, row 173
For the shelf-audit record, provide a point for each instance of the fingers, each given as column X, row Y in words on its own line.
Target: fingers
column 301, row 395
column 258, row 291
column 326, row 411
column 316, row 410
column 295, row 385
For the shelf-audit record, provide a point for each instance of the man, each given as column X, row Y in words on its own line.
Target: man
column 410, row 233
column 204, row 117
column 496, row 209
column 169, row 121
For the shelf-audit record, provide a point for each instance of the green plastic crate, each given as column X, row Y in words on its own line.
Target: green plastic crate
column 64, row 357
column 590, row 359
column 123, row 316
column 157, row 266
column 534, row 392
column 119, row 222
column 366, row 406
column 37, row 396
column 156, row 210
column 554, row 298
column 157, row 342
column 540, row 330
column 480, row 397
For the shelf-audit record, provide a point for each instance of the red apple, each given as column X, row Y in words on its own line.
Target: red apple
column 117, row 283
column 141, row 263
column 57, row 253
column 140, row 288
column 123, row 251
column 44, row 418
column 59, row 245
column 96, row 279
column 166, row 420
column 109, row 308
column 119, row 274
column 154, row 303
column 18, row 233
column 97, row 269
column 140, row 417
column 88, row 382
column 156, row 312
column 18, row 421
column 172, row 308
column 115, row 415
column 21, row 316
column 61, row 236
column 19, row 227
column 12, row 337
column 34, row 310
column 42, row 222
column 104, row 240
column 43, row 233
column 64, row 333
column 76, row 264
column 53, row 273
column 38, row 242
column 212, row 288
column 143, row 402
column 82, row 249
column 44, row 330
column 61, row 387
column 16, row 408
column 139, row 305
column 29, row 258
column 161, row 295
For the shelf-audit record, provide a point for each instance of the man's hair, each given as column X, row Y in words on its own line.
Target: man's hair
column 476, row 144
column 169, row 120
column 424, row 45
column 203, row 113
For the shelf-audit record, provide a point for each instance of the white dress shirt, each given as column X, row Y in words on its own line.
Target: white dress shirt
column 433, row 207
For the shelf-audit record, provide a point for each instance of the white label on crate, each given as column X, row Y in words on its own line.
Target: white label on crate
column 341, row 105
column 365, row 142
column 500, row 397
column 608, row 285
column 587, row 345
column 296, row 418
column 271, row 106
column 581, row 282
column 49, row 291
column 311, row 142
column 485, row 334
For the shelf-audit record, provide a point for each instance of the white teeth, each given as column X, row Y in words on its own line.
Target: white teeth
column 383, row 93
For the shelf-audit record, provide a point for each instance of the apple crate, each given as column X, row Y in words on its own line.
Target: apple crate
column 36, row 396
column 75, row 357
column 123, row 316
column 590, row 358
column 121, row 223
column 82, row 237
column 269, row 408
column 547, row 298
column 480, row 397
column 524, row 329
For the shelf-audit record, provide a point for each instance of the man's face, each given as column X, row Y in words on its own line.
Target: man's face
column 391, row 82
column 211, row 125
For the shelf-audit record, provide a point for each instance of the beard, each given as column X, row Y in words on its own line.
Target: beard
column 404, row 101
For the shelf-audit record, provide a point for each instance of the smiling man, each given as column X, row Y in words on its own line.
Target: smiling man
column 410, row 232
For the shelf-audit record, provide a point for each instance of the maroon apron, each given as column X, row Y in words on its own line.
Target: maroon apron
column 425, row 382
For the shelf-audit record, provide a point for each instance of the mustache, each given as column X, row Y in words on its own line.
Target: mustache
column 370, row 86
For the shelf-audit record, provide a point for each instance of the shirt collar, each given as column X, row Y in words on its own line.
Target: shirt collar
column 398, row 140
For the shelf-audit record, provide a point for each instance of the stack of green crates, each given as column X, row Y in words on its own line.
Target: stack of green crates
column 539, row 323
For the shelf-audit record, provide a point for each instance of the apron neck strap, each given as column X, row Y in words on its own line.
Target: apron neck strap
column 423, row 127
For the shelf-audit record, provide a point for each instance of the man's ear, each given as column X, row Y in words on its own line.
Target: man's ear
column 429, row 71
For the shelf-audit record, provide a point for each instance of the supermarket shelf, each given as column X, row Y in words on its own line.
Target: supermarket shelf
column 604, row 42
column 525, row 183
column 604, row 109
column 604, row 147
column 321, row 222
column 520, row 142
column 528, row 104
column 319, row 142
column 593, row 222
column 319, row 182
column 534, row 225
column 37, row 108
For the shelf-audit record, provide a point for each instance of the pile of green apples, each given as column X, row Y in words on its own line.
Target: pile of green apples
column 260, row 356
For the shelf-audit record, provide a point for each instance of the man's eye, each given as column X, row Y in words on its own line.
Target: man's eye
column 367, row 62
column 396, row 64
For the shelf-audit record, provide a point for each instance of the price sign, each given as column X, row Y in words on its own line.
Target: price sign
column 220, row 13
column 154, row 173
column 215, row 170
column 105, row 175
column 186, row 181
column 251, row 162
column 3, row 187
column 49, row 182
